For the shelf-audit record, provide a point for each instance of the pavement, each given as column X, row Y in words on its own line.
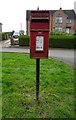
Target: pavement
column 64, row 55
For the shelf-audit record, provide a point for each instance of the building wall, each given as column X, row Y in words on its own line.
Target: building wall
column 51, row 20
column 59, row 13
column 0, row 27
column 75, row 25
column 71, row 26
column 28, row 30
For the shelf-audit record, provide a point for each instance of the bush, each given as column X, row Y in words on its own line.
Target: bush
column 57, row 41
column 5, row 35
column 62, row 41
column 60, row 33
column 0, row 36
column 24, row 40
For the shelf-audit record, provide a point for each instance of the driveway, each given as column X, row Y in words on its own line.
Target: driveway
column 64, row 55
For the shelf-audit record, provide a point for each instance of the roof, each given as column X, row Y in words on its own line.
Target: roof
column 70, row 13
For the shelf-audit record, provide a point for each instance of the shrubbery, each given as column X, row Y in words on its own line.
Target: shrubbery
column 0, row 36
column 59, row 33
column 55, row 41
column 62, row 41
column 5, row 35
column 24, row 40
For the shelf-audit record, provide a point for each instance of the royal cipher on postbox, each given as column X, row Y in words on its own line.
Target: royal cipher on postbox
column 39, row 33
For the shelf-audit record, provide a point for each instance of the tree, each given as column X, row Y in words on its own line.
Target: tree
column 21, row 32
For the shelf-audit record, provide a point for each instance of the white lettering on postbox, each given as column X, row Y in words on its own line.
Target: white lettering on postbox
column 39, row 43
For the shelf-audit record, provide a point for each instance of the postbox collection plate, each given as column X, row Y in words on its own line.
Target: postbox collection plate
column 39, row 43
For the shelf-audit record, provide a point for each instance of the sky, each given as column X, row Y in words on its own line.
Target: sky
column 13, row 12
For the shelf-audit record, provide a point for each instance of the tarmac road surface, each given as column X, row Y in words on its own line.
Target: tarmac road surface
column 64, row 55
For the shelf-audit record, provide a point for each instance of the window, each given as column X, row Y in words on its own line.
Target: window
column 58, row 28
column 58, row 20
column 67, row 30
column 68, row 21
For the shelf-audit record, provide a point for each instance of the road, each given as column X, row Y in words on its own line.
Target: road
column 64, row 55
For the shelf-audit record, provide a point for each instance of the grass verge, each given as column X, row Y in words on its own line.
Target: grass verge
column 18, row 87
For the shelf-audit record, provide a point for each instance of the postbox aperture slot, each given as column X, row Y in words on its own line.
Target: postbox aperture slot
column 39, row 20
column 39, row 43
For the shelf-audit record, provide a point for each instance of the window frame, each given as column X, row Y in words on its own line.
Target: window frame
column 67, row 30
column 58, row 20
column 68, row 21
column 59, row 29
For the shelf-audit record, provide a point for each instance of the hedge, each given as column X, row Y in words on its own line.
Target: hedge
column 5, row 35
column 24, row 40
column 0, row 36
column 54, row 41
column 62, row 41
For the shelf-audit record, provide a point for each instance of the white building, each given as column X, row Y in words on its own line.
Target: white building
column 0, row 27
column 75, row 6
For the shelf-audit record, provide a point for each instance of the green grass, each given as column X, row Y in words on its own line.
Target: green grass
column 0, row 85
column 18, row 87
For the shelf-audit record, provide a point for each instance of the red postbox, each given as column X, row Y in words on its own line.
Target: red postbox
column 39, row 33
